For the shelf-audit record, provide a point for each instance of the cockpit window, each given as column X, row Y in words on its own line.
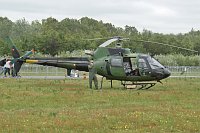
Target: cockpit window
column 116, row 62
column 154, row 63
column 142, row 63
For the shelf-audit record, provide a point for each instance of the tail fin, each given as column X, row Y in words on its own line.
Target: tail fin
column 18, row 63
column 15, row 53
column 14, row 50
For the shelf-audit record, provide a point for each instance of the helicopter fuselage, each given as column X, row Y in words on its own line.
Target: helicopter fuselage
column 122, row 64
column 112, row 63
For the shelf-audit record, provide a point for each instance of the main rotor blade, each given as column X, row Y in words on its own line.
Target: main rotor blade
column 108, row 42
column 113, row 39
column 96, row 39
column 167, row 45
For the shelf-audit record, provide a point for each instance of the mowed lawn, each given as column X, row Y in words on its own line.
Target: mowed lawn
column 70, row 106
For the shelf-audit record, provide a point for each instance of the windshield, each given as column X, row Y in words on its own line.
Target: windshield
column 142, row 63
column 154, row 63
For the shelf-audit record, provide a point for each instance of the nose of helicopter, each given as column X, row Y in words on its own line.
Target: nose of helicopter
column 161, row 73
column 166, row 73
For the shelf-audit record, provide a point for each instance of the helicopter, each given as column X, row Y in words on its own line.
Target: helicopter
column 132, row 69
column 138, row 70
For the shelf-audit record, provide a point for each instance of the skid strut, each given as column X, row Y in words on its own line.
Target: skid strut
column 137, row 85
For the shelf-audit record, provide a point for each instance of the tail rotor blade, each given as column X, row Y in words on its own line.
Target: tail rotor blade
column 27, row 54
column 14, row 50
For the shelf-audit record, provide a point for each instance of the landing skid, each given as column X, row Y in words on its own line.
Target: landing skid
column 132, row 85
column 137, row 86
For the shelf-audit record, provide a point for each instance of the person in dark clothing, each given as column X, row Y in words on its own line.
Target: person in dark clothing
column 92, row 75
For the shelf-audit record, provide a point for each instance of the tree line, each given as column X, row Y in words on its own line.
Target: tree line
column 53, row 37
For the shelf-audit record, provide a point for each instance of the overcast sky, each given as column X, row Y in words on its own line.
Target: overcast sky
column 163, row 16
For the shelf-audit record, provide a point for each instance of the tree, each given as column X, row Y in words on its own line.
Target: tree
column 53, row 37
column 5, row 30
column 49, row 41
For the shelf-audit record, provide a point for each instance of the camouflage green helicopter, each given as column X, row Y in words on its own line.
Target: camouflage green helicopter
column 132, row 69
column 114, row 64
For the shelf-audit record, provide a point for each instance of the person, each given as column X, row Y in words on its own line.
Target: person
column 12, row 70
column 7, row 67
column 127, row 68
column 92, row 75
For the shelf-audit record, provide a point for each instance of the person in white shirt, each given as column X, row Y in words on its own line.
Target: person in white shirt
column 7, row 67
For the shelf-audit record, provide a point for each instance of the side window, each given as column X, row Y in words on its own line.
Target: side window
column 134, row 63
column 142, row 63
column 116, row 62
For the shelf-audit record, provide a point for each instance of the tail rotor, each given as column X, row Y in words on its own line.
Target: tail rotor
column 17, row 61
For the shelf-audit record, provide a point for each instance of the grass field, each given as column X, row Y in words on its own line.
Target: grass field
column 70, row 106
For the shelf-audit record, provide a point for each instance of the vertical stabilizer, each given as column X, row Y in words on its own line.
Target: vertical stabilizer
column 14, row 50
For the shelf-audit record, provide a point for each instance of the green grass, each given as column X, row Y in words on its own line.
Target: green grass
column 70, row 106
